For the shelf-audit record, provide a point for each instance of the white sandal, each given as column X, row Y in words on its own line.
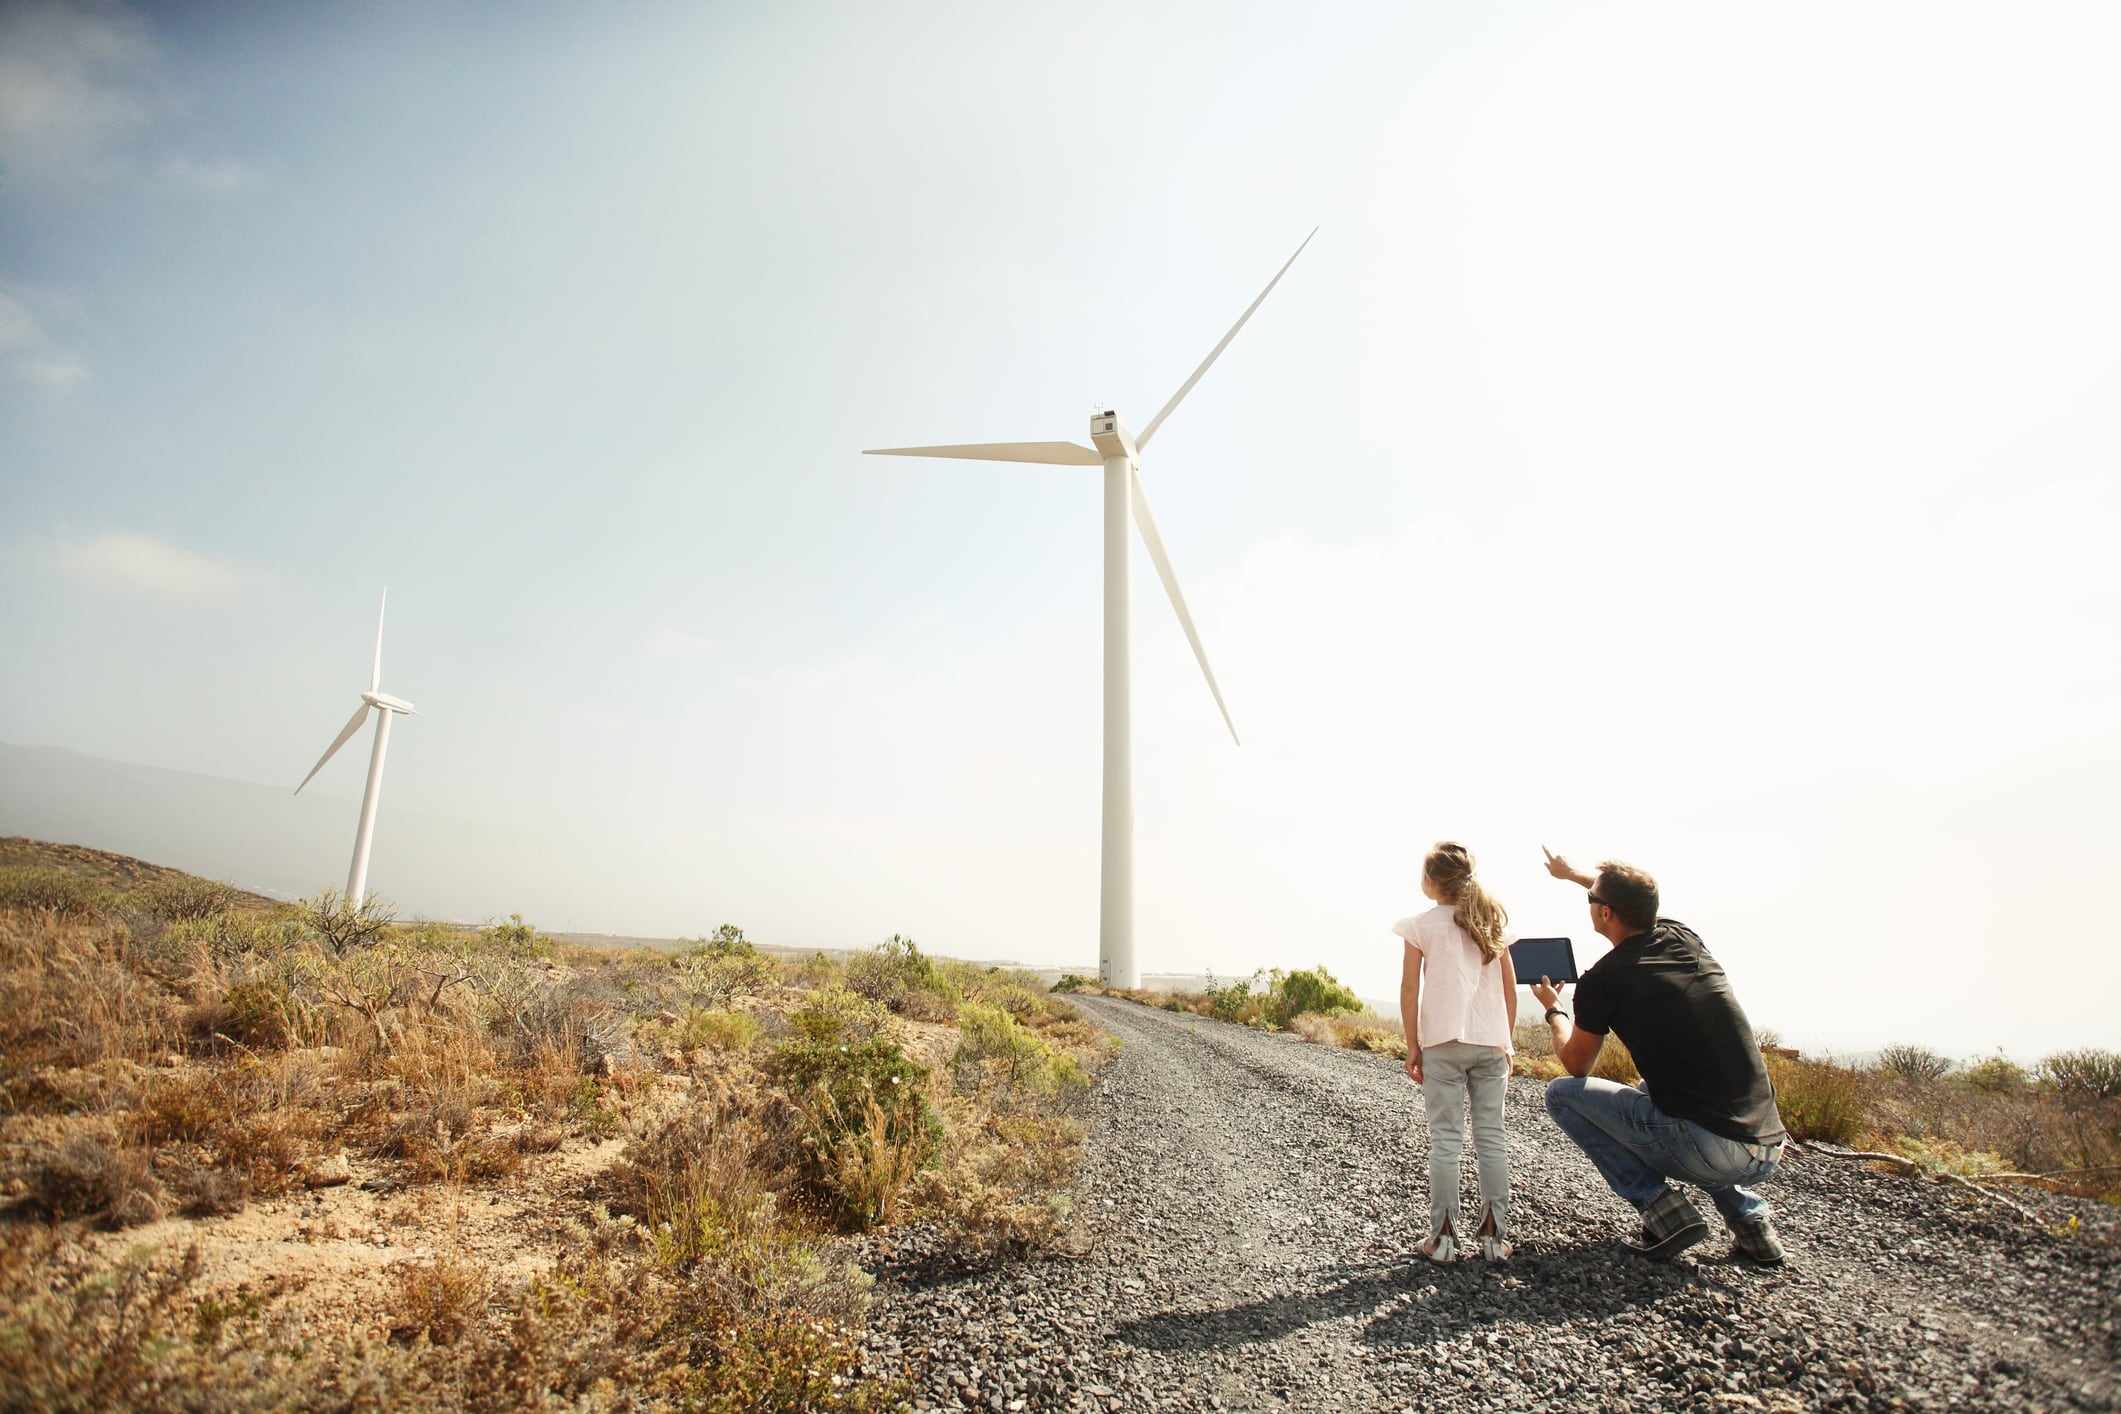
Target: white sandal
column 1492, row 1247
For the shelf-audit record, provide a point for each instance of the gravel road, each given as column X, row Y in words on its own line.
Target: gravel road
column 1246, row 1216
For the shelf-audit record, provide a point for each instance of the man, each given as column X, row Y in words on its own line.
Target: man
column 1705, row 1112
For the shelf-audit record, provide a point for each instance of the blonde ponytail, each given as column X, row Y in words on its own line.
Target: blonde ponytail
column 1450, row 868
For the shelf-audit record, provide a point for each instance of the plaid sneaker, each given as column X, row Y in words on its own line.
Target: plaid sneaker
column 1670, row 1224
column 1754, row 1240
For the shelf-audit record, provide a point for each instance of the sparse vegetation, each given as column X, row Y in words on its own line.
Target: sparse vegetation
column 1995, row 1075
column 48, row 891
column 174, row 1049
column 186, row 899
column 1911, row 1062
column 2083, row 1076
column 1820, row 1100
column 347, row 925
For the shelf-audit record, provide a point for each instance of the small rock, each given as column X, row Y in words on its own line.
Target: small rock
column 328, row 1172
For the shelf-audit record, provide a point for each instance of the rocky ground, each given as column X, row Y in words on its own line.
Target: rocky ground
column 1244, row 1241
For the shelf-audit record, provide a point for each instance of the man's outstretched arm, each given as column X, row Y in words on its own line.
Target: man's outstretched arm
column 1559, row 868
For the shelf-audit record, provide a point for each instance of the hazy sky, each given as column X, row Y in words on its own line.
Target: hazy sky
column 1691, row 437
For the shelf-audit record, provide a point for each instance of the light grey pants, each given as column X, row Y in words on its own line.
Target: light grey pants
column 1450, row 1072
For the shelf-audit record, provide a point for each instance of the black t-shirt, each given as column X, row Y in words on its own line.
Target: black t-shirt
column 1663, row 995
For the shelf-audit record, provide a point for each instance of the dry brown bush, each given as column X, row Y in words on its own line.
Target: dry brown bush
column 1002, row 1178
column 2032, row 1130
column 187, row 898
column 243, row 1129
column 1821, row 1100
column 1314, row 1028
column 92, row 1174
column 68, row 1001
column 437, row 1300
column 1615, row 1063
column 1366, row 1031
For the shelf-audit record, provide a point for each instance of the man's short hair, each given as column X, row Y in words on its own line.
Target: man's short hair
column 1631, row 892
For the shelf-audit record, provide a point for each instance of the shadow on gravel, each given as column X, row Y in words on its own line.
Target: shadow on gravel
column 1411, row 1302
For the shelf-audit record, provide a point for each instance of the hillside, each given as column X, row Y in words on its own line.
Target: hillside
column 263, row 1156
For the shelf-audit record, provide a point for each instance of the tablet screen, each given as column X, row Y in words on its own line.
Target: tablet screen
column 1535, row 958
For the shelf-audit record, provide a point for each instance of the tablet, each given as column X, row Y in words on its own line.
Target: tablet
column 1535, row 958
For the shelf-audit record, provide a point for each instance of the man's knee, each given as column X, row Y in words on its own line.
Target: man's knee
column 1563, row 1094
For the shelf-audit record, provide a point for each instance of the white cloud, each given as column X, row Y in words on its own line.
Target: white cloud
column 75, row 83
column 18, row 327
column 32, row 355
column 58, row 373
column 129, row 560
column 221, row 176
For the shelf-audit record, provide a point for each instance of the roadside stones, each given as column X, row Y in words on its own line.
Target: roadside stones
column 1248, row 1207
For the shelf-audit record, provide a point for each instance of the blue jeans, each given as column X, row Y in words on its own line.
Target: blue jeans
column 1637, row 1146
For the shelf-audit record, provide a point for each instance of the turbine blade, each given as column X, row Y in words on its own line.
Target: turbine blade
column 1142, row 440
column 346, row 735
column 1048, row 453
column 375, row 674
column 1169, row 576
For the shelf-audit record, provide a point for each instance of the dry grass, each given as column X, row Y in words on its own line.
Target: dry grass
column 174, row 1048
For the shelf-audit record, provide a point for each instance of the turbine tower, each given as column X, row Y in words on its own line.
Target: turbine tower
column 1119, row 452
column 384, row 706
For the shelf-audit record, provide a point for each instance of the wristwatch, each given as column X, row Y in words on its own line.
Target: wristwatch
column 1554, row 1011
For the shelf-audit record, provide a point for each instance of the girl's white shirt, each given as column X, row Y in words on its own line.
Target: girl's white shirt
column 1461, row 992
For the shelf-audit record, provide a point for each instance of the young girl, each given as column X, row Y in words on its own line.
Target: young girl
column 1458, row 1000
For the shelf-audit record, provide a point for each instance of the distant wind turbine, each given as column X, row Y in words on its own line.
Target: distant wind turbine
column 1119, row 452
column 384, row 706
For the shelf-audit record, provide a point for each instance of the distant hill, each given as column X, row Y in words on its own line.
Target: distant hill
column 117, row 873
column 271, row 841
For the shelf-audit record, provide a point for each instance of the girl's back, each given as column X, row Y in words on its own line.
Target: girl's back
column 1462, row 996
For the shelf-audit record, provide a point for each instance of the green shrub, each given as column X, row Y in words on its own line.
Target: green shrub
column 1911, row 1062
column 865, row 1126
column 898, row 975
column 2086, row 1074
column 1995, row 1075
column 836, row 1014
column 184, row 899
column 234, row 935
column 516, row 939
column 719, row 1030
column 714, row 969
column 990, row 1036
column 1227, row 1000
column 1076, row 982
column 1820, row 1100
column 49, row 890
column 1314, row 990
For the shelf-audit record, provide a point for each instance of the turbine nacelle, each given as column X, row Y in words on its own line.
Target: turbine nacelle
column 388, row 703
column 1111, row 437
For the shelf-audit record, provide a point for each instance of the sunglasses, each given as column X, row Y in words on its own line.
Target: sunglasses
column 1597, row 902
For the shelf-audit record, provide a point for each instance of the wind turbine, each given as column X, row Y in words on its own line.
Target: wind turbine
column 384, row 706
column 1118, row 451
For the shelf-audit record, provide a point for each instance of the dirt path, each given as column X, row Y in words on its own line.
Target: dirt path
column 1248, row 1209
